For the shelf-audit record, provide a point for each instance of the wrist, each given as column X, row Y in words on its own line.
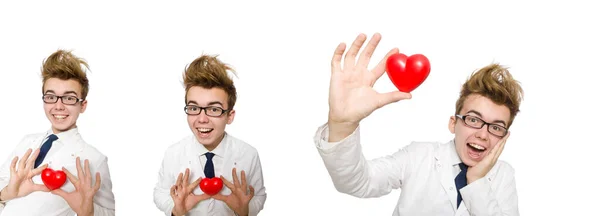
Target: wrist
column 3, row 195
column 340, row 130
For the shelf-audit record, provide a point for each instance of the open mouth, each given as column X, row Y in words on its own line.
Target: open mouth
column 475, row 151
column 205, row 130
column 59, row 117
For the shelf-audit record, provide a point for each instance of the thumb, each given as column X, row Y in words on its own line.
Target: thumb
column 391, row 97
column 40, row 187
column 220, row 197
column 59, row 192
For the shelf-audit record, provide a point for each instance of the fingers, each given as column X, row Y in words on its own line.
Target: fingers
column 227, row 184
column 337, row 58
column 13, row 165
column 244, row 185
column 179, row 179
column 24, row 159
column 70, row 176
column 198, row 198
column 40, row 187
column 391, row 97
column 31, row 161
column 80, row 174
column 98, row 182
column 380, row 68
column 220, row 197
column 173, row 189
column 38, row 170
column 365, row 57
column 236, row 181
column 186, row 177
column 251, row 191
column 501, row 144
column 88, row 176
column 60, row 192
column 350, row 58
column 194, row 184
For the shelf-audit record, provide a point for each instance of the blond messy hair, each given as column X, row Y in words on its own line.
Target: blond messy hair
column 64, row 65
column 495, row 83
column 209, row 72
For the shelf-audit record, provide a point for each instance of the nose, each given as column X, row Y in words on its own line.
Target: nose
column 483, row 133
column 59, row 105
column 202, row 117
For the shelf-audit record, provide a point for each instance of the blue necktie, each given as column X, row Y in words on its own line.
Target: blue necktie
column 44, row 149
column 209, row 168
column 460, row 181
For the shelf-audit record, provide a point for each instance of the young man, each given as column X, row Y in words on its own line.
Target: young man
column 460, row 177
column 65, row 87
column 210, row 151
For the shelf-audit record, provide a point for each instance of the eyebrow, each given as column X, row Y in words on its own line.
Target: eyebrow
column 479, row 114
column 209, row 104
column 67, row 92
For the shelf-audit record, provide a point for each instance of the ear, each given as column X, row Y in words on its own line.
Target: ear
column 83, row 106
column 452, row 124
column 230, row 116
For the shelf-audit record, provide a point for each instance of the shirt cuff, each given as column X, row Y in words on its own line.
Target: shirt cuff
column 322, row 136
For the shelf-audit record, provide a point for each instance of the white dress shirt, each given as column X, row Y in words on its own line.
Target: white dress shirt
column 230, row 153
column 425, row 173
column 63, row 152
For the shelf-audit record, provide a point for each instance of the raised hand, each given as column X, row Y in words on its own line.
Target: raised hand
column 81, row 200
column 20, row 183
column 351, row 93
column 241, row 194
column 183, row 195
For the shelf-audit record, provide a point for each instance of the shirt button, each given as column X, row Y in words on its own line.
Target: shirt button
column 451, row 188
column 489, row 179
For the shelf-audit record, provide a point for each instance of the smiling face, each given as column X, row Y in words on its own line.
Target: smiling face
column 63, row 117
column 208, row 130
column 473, row 144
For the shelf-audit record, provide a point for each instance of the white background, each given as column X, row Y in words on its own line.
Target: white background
column 138, row 50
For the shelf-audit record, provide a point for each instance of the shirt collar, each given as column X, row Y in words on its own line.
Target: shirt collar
column 65, row 135
column 218, row 151
column 453, row 157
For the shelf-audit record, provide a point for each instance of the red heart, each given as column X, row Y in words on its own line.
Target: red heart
column 211, row 186
column 407, row 73
column 53, row 179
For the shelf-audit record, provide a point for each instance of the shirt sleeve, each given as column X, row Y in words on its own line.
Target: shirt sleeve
column 353, row 174
column 162, row 190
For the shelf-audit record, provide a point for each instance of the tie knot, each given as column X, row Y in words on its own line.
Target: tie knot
column 463, row 166
column 52, row 137
column 209, row 155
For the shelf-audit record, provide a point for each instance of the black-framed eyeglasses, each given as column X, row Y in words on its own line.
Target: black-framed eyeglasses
column 65, row 99
column 477, row 123
column 212, row 111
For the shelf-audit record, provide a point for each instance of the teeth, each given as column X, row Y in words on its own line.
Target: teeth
column 204, row 129
column 477, row 146
column 59, row 116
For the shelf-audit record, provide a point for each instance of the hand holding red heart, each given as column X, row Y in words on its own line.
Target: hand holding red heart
column 20, row 183
column 183, row 196
column 351, row 93
column 241, row 194
column 81, row 199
